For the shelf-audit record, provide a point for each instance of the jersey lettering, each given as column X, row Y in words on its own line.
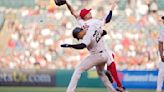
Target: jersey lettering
column 97, row 36
column 85, row 26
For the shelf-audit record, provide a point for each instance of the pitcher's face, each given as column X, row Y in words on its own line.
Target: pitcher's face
column 88, row 16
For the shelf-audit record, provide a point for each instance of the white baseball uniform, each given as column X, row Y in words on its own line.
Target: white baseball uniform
column 161, row 65
column 98, row 57
column 95, row 24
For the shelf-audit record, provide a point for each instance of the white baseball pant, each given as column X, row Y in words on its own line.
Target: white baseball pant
column 97, row 60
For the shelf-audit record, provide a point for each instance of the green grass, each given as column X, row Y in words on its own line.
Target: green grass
column 53, row 89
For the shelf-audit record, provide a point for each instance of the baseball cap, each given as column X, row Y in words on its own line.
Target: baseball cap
column 162, row 17
column 84, row 12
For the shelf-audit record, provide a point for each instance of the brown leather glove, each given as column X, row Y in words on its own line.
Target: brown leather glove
column 60, row 2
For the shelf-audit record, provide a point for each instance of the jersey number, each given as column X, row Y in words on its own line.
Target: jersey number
column 97, row 36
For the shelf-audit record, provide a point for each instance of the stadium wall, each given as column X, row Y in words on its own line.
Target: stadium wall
column 14, row 77
column 60, row 78
column 130, row 79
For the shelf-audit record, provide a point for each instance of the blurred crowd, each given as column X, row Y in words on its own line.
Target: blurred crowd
column 35, row 35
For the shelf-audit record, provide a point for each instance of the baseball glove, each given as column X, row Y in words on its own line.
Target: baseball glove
column 60, row 2
column 162, row 17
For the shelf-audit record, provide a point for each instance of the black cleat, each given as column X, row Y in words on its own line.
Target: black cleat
column 121, row 89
